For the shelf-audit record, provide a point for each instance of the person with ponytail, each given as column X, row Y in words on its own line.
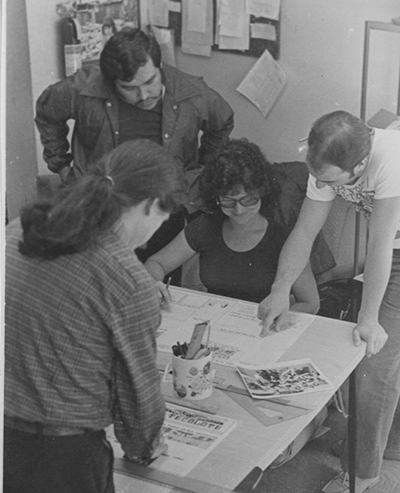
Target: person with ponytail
column 80, row 322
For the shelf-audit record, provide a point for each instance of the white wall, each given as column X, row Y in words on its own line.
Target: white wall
column 20, row 156
column 45, row 54
column 321, row 54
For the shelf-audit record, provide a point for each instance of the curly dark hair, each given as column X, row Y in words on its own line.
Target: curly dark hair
column 238, row 164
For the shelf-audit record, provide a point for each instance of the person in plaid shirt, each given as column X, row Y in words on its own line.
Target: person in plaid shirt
column 80, row 322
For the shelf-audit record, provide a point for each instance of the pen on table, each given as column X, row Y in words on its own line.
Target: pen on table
column 164, row 299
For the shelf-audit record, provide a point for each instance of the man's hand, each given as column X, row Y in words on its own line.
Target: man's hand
column 273, row 310
column 372, row 333
column 158, row 447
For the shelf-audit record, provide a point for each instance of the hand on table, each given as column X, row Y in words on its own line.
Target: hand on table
column 272, row 311
column 372, row 333
column 158, row 447
column 165, row 296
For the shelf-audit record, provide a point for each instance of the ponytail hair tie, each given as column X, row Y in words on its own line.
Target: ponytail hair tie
column 110, row 179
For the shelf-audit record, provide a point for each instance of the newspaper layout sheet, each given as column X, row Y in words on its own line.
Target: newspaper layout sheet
column 235, row 329
column 189, row 434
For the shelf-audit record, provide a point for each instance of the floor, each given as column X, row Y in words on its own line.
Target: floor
column 316, row 464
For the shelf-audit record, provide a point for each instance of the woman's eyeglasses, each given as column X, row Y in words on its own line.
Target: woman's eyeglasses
column 246, row 201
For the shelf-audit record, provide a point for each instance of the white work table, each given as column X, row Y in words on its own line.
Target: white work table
column 251, row 446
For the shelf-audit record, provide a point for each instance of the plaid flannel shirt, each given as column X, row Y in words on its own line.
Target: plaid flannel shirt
column 80, row 341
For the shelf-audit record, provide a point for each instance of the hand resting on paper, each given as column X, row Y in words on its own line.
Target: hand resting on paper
column 164, row 294
column 273, row 312
column 158, row 447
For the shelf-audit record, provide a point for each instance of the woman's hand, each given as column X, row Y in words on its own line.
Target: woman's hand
column 165, row 296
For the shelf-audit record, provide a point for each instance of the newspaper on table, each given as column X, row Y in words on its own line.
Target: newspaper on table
column 189, row 434
column 284, row 379
column 235, row 328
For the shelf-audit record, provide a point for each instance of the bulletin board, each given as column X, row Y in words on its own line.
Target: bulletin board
column 257, row 45
column 97, row 21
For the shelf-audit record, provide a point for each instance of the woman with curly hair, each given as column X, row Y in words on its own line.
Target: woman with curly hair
column 238, row 242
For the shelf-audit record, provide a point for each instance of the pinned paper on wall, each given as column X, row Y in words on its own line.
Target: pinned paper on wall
column 263, row 84
column 165, row 39
column 195, row 49
column 236, row 22
column 263, row 31
column 197, row 16
column 158, row 12
column 197, row 27
column 264, row 8
column 174, row 6
column 245, row 27
column 232, row 18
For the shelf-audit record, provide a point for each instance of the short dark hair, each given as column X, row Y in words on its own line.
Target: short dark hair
column 338, row 139
column 80, row 210
column 125, row 52
column 238, row 164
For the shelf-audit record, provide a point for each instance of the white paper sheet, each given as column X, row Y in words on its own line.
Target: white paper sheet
column 264, row 8
column 166, row 41
column 190, row 436
column 174, row 6
column 158, row 12
column 196, row 49
column 235, row 328
column 231, row 18
column 263, row 31
column 263, row 84
column 232, row 43
column 197, row 16
column 197, row 33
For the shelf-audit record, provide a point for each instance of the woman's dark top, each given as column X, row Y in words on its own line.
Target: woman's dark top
column 244, row 275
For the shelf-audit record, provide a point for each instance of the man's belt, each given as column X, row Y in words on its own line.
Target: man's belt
column 42, row 429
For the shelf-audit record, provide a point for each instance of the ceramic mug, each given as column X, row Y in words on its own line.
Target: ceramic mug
column 192, row 379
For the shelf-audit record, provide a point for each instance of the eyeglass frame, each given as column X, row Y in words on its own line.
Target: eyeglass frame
column 236, row 201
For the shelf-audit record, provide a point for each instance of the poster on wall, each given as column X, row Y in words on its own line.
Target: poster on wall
column 96, row 21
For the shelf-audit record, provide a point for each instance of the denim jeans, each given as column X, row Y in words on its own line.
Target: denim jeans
column 37, row 463
column 378, row 390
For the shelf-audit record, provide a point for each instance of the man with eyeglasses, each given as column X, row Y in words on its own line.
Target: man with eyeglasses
column 347, row 158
